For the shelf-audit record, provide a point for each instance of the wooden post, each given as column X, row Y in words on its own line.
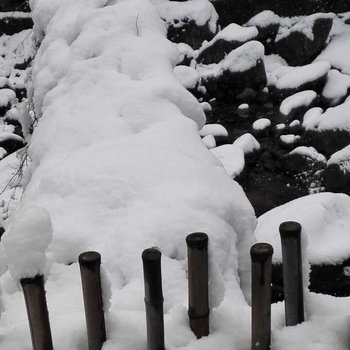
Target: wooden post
column 38, row 315
column 198, row 300
column 261, row 256
column 290, row 232
column 153, row 298
column 90, row 263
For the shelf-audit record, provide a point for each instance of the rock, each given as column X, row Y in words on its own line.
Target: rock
column 327, row 141
column 331, row 279
column 337, row 88
column 241, row 70
column 295, row 106
column 268, row 24
column 305, row 40
column 14, row 5
column 189, row 22
column 12, row 25
column 337, row 173
column 295, row 79
column 224, row 42
column 328, row 132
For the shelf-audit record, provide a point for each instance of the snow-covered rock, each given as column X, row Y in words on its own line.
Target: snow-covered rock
column 224, row 42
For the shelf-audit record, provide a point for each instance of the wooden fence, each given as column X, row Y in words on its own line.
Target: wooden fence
column 198, row 306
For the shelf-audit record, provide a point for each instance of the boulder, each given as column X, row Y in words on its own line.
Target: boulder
column 241, row 71
column 224, row 42
column 304, row 41
column 296, row 79
column 189, row 22
column 268, row 24
column 12, row 25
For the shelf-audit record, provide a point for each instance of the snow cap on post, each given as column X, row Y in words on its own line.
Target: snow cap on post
column 26, row 240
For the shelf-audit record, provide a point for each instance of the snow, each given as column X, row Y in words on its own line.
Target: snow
column 309, row 152
column 280, row 126
column 300, row 99
column 231, row 157
column 238, row 60
column 26, row 239
column 209, row 141
column 342, row 159
column 15, row 14
column 311, row 116
column 232, row 33
column 201, row 11
column 188, row 76
column 336, row 87
column 213, row 129
column 264, row 19
column 334, row 118
column 289, row 139
column 247, row 143
column 127, row 170
column 337, row 52
column 324, row 218
column 261, row 124
column 304, row 25
column 297, row 76
column 243, row 106
column 294, row 123
column 6, row 96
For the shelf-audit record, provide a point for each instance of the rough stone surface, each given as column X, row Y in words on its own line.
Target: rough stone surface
column 297, row 49
column 229, row 85
column 336, row 180
column 240, row 11
column 190, row 33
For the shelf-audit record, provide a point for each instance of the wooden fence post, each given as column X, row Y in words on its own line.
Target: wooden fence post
column 261, row 256
column 38, row 315
column 290, row 232
column 151, row 259
column 198, row 300
column 90, row 263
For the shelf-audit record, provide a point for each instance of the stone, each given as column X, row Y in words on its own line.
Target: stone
column 298, row 48
column 224, row 42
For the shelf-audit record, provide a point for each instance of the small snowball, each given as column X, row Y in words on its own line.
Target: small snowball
column 243, row 106
column 294, row 123
column 261, row 124
column 289, row 139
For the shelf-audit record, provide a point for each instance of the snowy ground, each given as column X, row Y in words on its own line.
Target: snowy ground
column 118, row 165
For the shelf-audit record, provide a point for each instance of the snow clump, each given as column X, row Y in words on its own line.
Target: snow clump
column 26, row 240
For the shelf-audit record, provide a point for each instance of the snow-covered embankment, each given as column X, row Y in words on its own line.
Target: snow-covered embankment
column 119, row 165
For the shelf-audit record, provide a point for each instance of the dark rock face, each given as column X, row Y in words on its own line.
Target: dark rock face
column 11, row 145
column 336, row 180
column 189, row 32
column 240, row 11
column 326, row 279
column 218, row 50
column 267, row 36
column 327, row 142
column 316, row 85
column 14, row 5
column 10, row 25
column 297, row 49
column 298, row 112
column 229, row 84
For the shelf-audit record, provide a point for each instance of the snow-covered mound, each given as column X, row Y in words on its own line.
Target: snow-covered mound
column 118, row 163
column 324, row 217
